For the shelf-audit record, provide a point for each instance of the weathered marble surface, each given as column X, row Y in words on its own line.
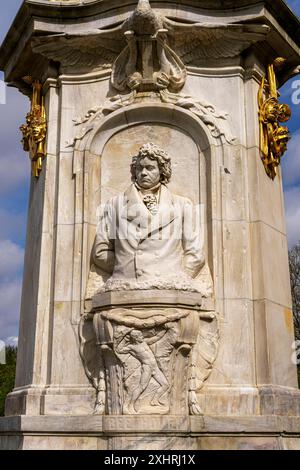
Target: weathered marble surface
column 253, row 386
column 151, row 433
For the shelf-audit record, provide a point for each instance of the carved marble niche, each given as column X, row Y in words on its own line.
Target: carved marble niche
column 147, row 351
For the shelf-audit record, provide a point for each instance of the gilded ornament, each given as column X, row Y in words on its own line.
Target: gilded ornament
column 35, row 129
column 273, row 137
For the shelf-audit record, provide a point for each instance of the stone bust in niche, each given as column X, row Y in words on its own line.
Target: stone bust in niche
column 149, row 238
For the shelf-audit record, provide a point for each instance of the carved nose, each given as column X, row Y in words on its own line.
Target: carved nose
column 143, row 4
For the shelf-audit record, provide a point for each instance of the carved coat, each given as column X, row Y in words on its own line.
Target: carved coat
column 133, row 244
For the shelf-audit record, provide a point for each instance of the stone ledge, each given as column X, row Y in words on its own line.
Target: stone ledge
column 152, row 298
column 146, row 424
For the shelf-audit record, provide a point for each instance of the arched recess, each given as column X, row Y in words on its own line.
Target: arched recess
column 88, row 155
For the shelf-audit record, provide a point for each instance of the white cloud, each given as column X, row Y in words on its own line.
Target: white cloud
column 10, row 295
column 11, row 341
column 291, row 161
column 11, row 263
column 14, row 170
column 292, row 205
column 11, row 259
column 14, row 162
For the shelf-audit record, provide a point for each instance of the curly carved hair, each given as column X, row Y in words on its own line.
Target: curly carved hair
column 153, row 152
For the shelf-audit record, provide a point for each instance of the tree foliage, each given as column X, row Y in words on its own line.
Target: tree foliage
column 294, row 261
column 7, row 376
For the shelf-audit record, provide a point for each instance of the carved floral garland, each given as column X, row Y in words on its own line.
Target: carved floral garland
column 216, row 122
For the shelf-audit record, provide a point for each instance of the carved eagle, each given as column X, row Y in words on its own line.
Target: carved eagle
column 191, row 42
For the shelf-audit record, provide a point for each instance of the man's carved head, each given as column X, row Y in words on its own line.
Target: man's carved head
column 141, row 168
column 136, row 336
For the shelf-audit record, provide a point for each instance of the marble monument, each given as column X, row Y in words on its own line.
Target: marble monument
column 154, row 314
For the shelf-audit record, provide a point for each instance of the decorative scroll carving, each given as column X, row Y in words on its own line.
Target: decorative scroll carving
column 148, row 51
column 273, row 137
column 216, row 121
column 35, row 129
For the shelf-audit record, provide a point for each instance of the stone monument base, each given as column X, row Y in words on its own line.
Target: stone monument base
column 149, row 433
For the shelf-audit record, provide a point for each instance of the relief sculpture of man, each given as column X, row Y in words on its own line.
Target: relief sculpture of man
column 149, row 237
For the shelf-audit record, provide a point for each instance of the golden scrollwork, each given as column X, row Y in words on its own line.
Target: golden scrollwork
column 35, row 129
column 273, row 136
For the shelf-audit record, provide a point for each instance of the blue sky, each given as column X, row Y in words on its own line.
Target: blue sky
column 15, row 177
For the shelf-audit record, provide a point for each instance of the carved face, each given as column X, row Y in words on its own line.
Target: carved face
column 137, row 336
column 147, row 173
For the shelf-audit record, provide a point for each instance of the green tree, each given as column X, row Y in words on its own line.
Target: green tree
column 294, row 262
column 7, row 376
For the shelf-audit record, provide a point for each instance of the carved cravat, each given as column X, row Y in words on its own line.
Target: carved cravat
column 150, row 198
column 150, row 201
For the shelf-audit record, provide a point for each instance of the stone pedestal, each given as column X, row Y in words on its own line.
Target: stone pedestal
column 153, row 350
column 150, row 433
column 104, row 99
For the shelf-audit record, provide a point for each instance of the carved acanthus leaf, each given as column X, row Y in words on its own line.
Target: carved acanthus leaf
column 212, row 40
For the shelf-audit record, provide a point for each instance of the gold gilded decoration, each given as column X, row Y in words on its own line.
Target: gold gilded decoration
column 273, row 136
column 34, row 131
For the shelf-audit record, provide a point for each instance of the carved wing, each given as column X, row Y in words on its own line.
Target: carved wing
column 92, row 48
column 210, row 40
